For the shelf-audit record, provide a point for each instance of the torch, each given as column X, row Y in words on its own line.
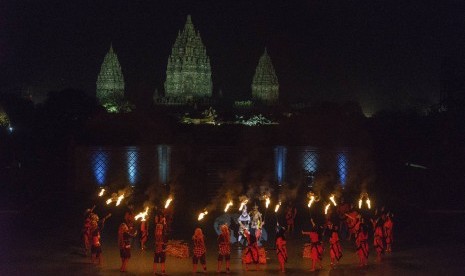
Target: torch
column 109, row 200
column 243, row 203
column 311, row 200
column 230, row 203
column 142, row 215
column 202, row 215
column 120, row 198
column 333, row 200
column 168, row 201
column 102, row 191
column 327, row 207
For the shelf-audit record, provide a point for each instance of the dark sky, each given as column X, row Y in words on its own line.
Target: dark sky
column 376, row 52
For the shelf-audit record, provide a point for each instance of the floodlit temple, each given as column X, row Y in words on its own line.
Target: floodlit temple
column 110, row 82
column 265, row 86
column 188, row 77
column 188, row 74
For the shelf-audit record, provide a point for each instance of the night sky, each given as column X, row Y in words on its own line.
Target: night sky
column 380, row 53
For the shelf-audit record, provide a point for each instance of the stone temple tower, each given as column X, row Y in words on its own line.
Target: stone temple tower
column 265, row 86
column 188, row 74
column 110, row 81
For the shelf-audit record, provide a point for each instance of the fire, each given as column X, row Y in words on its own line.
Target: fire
column 326, row 208
column 109, row 200
column 360, row 204
column 243, row 203
column 312, row 199
column 142, row 215
column 332, row 200
column 367, row 200
column 202, row 215
column 230, row 203
column 267, row 202
column 168, row 201
column 102, row 191
column 120, row 198
column 277, row 207
column 368, row 203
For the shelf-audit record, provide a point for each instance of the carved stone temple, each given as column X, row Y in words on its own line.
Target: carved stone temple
column 265, row 86
column 188, row 73
column 110, row 82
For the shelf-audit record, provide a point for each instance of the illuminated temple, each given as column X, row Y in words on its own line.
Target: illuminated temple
column 110, row 83
column 188, row 73
column 265, row 86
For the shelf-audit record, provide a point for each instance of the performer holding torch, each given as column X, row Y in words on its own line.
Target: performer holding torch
column 224, row 248
column 199, row 250
column 316, row 246
column 124, row 242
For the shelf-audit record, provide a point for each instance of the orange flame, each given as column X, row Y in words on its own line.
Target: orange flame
column 109, row 201
column 168, row 201
column 142, row 215
column 312, row 199
column 202, row 215
column 230, row 203
column 102, row 191
column 120, row 198
column 277, row 207
column 326, row 208
column 333, row 200
column 267, row 202
column 368, row 203
column 243, row 203
column 360, row 204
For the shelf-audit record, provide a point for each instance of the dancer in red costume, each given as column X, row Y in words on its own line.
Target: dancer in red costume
column 160, row 249
column 224, row 248
column 199, row 250
column 144, row 233
column 362, row 245
column 124, row 242
column 378, row 239
column 281, row 249
column 335, row 246
column 388, row 224
column 316, row 246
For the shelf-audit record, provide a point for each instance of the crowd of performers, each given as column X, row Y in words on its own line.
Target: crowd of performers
column 346, row 222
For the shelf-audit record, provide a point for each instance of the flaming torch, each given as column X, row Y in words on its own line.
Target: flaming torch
column 243, row 203
column 277, row 207
column 267, row 202
column 312, row 199
column 102, row 191
column 327, row 207
column 168, row 201
column 109, row 200
column 332, row 200
column 120, row 198
column 360, row 204
column 142, row 215
column 368, row 203
column 202, row 215
column 230, row 203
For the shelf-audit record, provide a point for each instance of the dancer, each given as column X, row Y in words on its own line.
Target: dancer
column 362, row 244
column 199, row 250
column 244, row 223
column 388, row 224
column 224, row 248
column 335, row 245
column 144, row 233
column 281, row 250
column 96, row 247
column 86, row 229
column 251, row 254
column 124, row 242
column 378, row 239
column 316, row 246
column 160, row 249
column 291, row 213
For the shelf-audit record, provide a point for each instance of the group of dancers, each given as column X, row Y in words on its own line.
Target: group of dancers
column 346, row 222
column 349, row 222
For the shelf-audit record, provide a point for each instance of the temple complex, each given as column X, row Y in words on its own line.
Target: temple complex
column 110, row 83
column 265, row 86
column 188, row 73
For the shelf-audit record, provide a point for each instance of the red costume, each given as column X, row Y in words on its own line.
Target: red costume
column 144, row 233
column 378, row 241
column 335, row 246
column 362, row 246
column 388, row 224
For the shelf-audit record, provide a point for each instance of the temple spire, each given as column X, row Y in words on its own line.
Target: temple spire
column 265, row 86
